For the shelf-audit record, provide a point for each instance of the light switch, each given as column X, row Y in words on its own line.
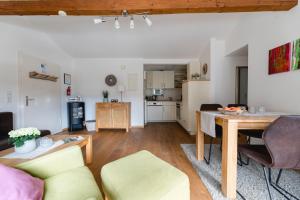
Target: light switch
column 9, row 97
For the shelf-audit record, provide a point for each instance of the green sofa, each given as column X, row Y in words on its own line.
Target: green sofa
column 143, row 176
column 65, row 175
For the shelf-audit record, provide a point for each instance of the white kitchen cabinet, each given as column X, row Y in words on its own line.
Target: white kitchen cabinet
column 149, row 79
column 169, row 113
column 168, row 77
column 160, row 79
column 159, row 111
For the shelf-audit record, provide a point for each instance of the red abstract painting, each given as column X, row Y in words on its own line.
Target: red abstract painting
column 280, row 59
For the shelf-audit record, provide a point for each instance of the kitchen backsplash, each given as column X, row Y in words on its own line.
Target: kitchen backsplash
column 175, row 94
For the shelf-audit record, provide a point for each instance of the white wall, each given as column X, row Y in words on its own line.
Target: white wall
column 262, row 32
column 13, row 40
column 89, row 76
column 222, row 71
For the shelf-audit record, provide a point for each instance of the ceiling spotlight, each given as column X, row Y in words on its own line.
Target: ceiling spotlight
column 62, row 13
column 131, row 23
column 147, row 20
column 117, row 24
column 99, row 20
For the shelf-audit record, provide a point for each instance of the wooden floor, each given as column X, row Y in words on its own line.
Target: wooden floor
column 162, row 139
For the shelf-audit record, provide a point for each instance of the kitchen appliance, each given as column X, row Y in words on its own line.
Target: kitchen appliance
column 76, row 116
column 158, row 92
column 154, row 111
column 178, row 107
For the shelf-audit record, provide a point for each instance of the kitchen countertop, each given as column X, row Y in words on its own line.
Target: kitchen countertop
column 163, row 101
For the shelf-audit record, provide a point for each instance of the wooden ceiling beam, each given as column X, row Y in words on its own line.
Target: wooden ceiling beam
column 115, row 7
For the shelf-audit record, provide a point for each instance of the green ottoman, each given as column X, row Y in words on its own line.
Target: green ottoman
column 143, row 176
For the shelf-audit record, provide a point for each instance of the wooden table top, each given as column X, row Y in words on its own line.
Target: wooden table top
column 14, row 161
column 248, row 118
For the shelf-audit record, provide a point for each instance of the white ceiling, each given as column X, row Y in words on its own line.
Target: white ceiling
column 171, row 36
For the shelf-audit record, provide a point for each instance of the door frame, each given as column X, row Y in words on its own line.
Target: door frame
column 237, row 81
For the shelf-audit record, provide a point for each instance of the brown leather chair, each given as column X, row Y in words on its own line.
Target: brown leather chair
column 281, row 149
column 212, row 107
column 248, row 133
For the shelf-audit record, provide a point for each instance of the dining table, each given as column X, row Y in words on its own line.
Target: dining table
column 230, row 126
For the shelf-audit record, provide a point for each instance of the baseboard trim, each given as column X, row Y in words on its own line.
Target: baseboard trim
column 65, row 129
column 141, row 126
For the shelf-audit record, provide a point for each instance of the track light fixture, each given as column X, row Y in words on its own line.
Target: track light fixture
column 131, row 23
column 117, row 23
column 62, row 13
column 147, row 20
column 99, row 20
column 124, row 14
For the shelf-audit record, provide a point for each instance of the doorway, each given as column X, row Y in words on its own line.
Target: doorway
column 242, row 85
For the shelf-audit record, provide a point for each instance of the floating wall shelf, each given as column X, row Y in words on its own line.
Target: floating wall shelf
column 37, row 75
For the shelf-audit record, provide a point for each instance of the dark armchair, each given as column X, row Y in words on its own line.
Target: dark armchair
column 6, row 125
column 281, row 150
column 212, row 107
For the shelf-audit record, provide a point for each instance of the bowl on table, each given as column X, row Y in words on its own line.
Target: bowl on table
column 232, row 110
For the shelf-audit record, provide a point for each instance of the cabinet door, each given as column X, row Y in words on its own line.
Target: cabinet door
column 168, row 77
column 169, row 113
column 103, row 115
column 149, row 79
column 158, row 82
column 119, row 115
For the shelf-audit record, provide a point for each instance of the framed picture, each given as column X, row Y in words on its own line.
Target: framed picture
column 67, row 79
column 280, row 59
column 296, row 55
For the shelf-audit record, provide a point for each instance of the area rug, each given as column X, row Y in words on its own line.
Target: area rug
column 251, row 183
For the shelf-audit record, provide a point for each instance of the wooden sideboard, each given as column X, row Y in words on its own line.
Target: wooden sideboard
column 113, row 116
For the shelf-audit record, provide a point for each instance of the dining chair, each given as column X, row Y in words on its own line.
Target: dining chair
column 280, row 151
column 248, row 133
column 212, row 107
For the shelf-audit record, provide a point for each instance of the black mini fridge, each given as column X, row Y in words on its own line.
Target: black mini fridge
column 76, row 116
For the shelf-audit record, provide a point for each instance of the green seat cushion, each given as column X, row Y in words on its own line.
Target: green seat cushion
column 76, row 184
column 143, row 176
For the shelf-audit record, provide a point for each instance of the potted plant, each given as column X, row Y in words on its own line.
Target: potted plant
column 105, row 96
column 24, row 139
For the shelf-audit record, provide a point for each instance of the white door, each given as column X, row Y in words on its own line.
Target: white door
column 39, row 99
column 155, row 113
column 168, row 77
column 169, row 113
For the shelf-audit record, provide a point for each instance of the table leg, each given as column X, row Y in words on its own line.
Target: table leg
column 199, row 138
column 89, row 150
column 229, row 158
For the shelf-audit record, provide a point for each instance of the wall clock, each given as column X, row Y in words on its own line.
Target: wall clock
column 111, row 80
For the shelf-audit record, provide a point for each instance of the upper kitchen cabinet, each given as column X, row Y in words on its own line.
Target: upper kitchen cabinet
column 160, row 79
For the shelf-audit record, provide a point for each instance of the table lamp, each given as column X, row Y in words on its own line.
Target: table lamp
column 121, row 89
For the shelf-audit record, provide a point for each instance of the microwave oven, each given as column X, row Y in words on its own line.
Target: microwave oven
column 157, row 92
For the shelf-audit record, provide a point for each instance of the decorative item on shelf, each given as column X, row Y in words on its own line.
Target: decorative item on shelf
column 114, row 101
column 280, row 59
column 111, row 80
column 204, row 69
column 121, row 89
column 24, row 139
column 41, row 76
column 296, row 55
column 105, row 95
column 44, row 68
column 195, row 76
